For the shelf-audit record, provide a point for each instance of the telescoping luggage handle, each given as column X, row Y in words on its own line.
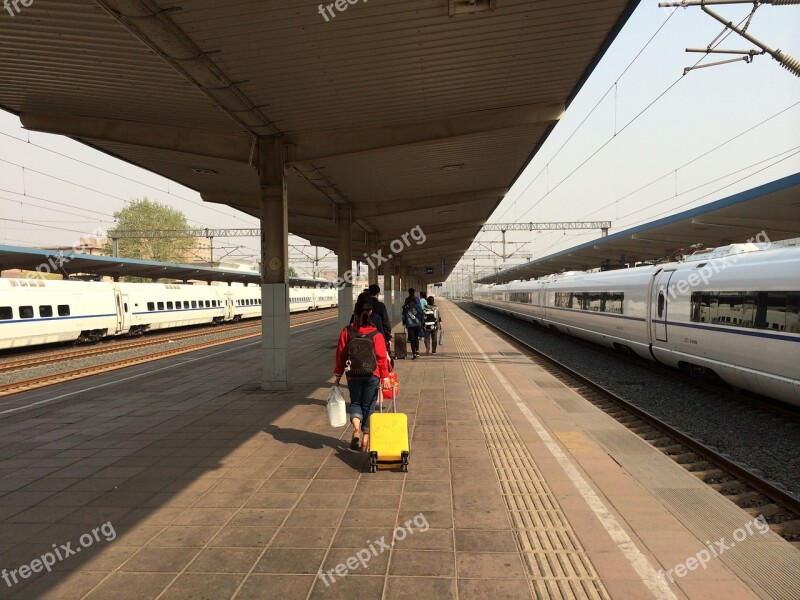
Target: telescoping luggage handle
column 382, row 398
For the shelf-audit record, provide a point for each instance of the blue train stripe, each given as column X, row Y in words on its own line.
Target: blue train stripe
column 57, row 318
column 762, row 333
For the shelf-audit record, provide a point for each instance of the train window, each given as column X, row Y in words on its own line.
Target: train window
column 695, row 314
column 729, row 307
column 45, row 311
column 773, row 305
column 585, row 298
column 160, row 306
column 662, row 303
column 748, row 309
column 151, row 306
column 595, row 301
column 194, row 303
column 169, row 306
column 185, row 304
column 708, row 307
column 63, row 310
column 6, row 313
column 208, row 303
column 793, row 312
column 25, row 312
column 613, row 302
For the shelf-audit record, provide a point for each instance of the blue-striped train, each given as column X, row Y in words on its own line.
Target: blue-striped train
column 37, row 311
column 731, row 313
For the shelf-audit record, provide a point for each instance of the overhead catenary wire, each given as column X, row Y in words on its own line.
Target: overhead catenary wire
column 795, row 151
column 692, row 161
column 591, row 112
column 132, row 180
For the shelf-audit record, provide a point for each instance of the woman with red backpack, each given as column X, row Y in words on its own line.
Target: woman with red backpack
column 361, row 355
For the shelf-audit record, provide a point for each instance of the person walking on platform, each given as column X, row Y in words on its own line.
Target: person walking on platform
column 412, row 321
column 361, row 356
column 379, row 308
column 375, row 317
column 431, row 323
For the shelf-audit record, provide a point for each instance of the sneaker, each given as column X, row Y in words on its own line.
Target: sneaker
column 433, row 352
column 414, row 357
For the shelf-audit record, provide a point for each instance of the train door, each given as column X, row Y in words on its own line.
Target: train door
column 228, row 305
column 123, row 311
column 543, row 301
column 659, row 306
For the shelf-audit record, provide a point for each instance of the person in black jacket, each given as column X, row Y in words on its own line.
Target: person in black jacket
column 379, row 308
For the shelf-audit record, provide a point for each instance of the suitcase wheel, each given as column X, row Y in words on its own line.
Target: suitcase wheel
column 404, row 468
column 373, row 461
column 404, row 457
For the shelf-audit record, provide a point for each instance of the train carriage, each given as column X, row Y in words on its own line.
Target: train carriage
column 39, row 311
column 731, row 313
column 155, row 306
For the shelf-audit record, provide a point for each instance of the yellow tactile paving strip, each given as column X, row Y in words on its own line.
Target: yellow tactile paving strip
column 556, row 564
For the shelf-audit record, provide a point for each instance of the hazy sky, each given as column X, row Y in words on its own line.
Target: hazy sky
column 591, row 176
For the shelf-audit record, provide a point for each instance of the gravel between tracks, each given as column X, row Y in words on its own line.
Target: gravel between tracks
column 91, row 361
column 769, row 445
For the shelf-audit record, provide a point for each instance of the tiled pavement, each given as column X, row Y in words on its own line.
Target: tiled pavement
column 217, row 490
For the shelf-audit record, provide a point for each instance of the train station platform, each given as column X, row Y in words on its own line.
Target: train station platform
column 182, row 479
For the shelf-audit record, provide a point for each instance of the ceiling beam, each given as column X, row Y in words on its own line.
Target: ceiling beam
column 311, row 146
column 394, row 207
column 175, row 138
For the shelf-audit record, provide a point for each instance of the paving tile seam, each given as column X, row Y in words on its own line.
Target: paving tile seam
column 192, row 505
column 494, row 420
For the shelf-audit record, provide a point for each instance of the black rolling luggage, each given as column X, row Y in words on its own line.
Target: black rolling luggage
column 400, row 345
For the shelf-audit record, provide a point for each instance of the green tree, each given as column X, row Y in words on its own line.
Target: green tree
column 145, row 215
column 292, row 272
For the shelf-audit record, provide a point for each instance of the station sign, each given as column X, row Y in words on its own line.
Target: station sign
column 443, row 266
column 429, row 270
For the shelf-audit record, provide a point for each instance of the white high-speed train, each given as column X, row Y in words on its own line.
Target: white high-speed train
column 731, row 313
column 36, row 311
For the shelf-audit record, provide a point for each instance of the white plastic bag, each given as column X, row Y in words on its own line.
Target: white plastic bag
column 337, row 409
column 441, row 337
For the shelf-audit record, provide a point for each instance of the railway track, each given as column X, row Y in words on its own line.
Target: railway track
column 53, row 379
column 746, row 489
column 38, row 359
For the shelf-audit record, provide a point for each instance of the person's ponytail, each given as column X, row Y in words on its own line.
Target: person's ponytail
column 362, row 314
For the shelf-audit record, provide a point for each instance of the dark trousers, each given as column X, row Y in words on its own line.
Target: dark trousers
column 413, row 337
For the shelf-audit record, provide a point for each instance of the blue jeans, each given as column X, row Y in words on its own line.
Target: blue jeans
column 363, row 397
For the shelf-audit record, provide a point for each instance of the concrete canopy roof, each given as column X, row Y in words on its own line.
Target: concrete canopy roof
column 405, row 113
column 772, row 208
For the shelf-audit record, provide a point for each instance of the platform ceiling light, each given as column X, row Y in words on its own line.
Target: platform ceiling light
column 202, row 171
column 454, row 167
column 466, row 7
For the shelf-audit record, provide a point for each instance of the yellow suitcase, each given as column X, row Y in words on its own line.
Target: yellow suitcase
column 388, row 440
